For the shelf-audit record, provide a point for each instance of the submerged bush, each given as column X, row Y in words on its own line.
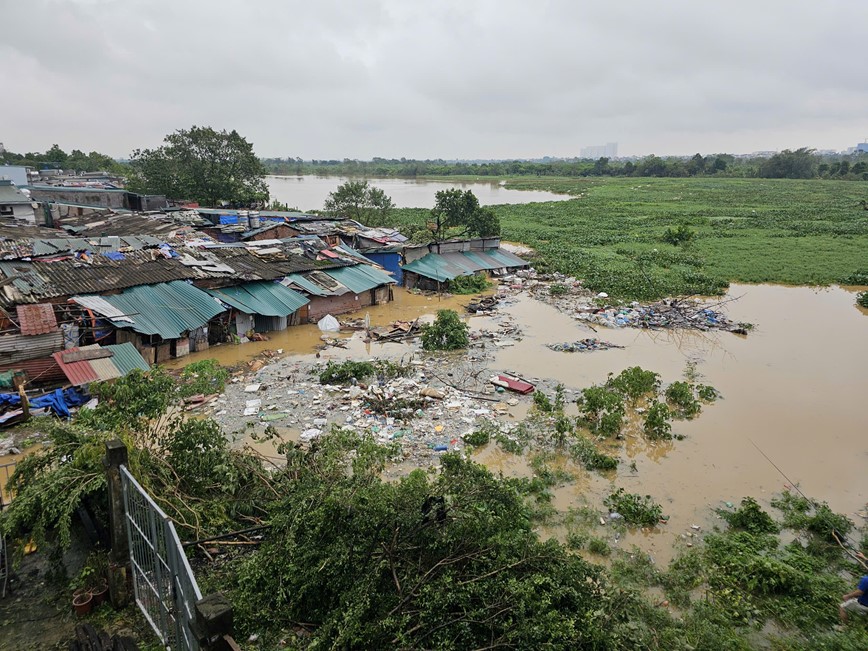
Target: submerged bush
column 448, row 332
column 473, row 284
column 636, row 509
column 750, row 517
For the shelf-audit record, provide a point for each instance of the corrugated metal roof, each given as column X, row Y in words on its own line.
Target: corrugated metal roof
column 166, row 309
column 127, row 357
column 446, row 266
column 36, row 319
column 304, row 284
column 360, row 278
column 101, row 306
column 265, row 298
column 42, row 370
column 77, row 373
column 17, row 348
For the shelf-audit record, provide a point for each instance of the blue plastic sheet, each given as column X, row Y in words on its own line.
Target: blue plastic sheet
column 59, row 401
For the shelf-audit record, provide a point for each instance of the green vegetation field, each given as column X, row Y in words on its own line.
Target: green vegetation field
column 749, row 230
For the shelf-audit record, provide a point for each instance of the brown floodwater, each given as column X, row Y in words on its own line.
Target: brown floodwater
column 793, row 388
column 306, row 339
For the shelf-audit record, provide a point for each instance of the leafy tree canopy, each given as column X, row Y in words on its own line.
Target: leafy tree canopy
column 454, row 208
column 361, row 201
column 799, row 164
column 75, row 161
column 201, row 164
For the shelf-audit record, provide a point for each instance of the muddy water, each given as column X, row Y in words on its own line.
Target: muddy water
column 795, row 387
column 305, row 339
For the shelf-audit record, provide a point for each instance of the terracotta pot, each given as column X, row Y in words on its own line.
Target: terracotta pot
column 99, row 594
column 82, row 604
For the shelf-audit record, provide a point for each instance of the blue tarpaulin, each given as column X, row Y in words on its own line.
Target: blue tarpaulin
column 59, row 400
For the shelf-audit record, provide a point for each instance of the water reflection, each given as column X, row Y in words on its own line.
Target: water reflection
column 310, row 192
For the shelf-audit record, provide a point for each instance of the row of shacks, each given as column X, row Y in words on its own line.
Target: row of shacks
column 111, row 292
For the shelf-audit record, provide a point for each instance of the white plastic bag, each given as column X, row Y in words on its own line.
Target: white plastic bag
column 328, row 324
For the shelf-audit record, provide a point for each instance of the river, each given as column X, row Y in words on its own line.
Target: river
column 793, row 389
column 310, row 192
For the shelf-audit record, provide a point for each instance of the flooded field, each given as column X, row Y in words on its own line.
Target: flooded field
column 309, row 192
column 794, row 389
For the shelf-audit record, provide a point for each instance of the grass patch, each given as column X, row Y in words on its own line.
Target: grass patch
column 741, row 230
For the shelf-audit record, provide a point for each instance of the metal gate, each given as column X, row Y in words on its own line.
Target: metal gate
column 6, row 470
column 164, row 585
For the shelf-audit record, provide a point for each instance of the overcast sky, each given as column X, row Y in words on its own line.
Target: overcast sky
column 442, row 78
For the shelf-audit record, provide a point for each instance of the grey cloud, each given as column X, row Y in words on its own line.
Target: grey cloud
column 331, row 79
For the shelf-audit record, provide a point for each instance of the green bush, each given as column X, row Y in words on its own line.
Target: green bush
column 586, row 453
column 346, row 372
column 599, row 547
column 448, row 332
column 637, row 510
column 635, row 382
column 602, row 410
column 658, row 423
column 473, row 284
column 680, row 394
column 750, row 517
column 557, row 289
column 202, row 377
column 678, row 236
column 862, row 299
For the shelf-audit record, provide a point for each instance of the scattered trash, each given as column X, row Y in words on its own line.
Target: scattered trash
column 674, row 313
column 583, row 346
column 252, row 388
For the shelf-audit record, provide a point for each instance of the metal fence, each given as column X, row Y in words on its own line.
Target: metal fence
column 164, row 585
column 6, row 470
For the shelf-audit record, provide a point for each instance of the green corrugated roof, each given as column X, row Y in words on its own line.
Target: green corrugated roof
column 165, row 309
column 360, row 278
column 265, row 298
column 434, row 266
column 446, row 266
column 305, row 284
column 127, row 357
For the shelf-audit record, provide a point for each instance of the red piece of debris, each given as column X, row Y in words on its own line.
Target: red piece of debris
column 512, row 383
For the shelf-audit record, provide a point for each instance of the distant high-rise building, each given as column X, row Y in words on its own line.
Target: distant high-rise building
column 862, row 148
column 609, row 150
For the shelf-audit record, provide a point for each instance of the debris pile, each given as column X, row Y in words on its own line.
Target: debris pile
column 483, row 305
column 583, row 346
column 669, row 314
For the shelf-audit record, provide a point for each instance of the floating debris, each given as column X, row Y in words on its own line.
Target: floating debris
column 673, row 314
column 583, row 346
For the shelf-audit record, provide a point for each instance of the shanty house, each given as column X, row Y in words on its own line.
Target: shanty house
column 14, row 204
column 432, row 266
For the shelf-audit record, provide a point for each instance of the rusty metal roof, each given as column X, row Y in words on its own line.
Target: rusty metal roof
column 36, row 319
column 77, row 373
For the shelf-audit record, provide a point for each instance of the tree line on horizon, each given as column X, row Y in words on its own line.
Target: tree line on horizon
column 220, row 167
column 802, row 163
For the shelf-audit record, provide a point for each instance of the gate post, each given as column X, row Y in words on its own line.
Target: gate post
column 119, row 556
column 213, row 623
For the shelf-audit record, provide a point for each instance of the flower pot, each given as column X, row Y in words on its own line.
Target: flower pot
column 82, row 603
column 99, row 594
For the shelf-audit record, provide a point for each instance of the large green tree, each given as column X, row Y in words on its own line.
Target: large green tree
column 201, row 164
column 798, row 164
column 361, row 201
column 454, row 208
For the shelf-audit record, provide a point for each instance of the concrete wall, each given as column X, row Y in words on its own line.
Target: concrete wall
column 95, row 197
